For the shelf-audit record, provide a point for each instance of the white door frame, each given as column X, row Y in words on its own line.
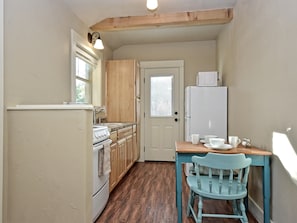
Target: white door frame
column 160, row 64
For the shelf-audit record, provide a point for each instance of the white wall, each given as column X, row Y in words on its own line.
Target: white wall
column 257, row 55
column 198, row 56
column 37, row 56
column 37, row 51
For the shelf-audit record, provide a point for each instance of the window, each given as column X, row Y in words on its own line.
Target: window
column 83, row 80
column 84, row 62
column 161, row 96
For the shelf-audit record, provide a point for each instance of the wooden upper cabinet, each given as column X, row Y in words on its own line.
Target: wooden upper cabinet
column 122, row 90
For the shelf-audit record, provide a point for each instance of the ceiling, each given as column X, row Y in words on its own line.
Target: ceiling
column 94, row 11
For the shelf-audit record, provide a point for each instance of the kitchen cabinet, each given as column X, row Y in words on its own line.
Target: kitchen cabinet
column 122, row 154
column 136, row 151
column 122, row 91
column 122, row 147
column 113, row 178
column 129, row 143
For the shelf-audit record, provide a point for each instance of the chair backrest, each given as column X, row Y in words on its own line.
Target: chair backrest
column 227, row 173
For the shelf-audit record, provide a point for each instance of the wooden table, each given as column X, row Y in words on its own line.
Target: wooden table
column 185, row 151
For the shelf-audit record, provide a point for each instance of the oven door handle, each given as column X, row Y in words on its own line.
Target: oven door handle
column 96, row 148
column 106, row 142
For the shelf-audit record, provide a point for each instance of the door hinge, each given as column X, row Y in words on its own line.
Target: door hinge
column 144, row 149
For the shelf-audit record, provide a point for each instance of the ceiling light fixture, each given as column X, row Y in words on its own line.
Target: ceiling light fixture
column 95, row 40
column 152, row 4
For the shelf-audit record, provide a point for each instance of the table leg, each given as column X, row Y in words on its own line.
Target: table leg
column 266, row 189
column 178, row 166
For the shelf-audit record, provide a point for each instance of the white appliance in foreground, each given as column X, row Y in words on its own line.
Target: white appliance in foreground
column 205, row 112
column 101, row 154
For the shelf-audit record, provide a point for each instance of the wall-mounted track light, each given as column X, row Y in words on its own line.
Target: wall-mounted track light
column 95, row 39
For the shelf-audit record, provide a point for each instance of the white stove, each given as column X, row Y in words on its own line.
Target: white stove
column 100, row 133
column 101, row 153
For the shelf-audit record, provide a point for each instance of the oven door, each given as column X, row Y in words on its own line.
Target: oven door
column 98, row 181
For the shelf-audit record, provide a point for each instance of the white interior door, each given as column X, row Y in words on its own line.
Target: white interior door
column 163, row 108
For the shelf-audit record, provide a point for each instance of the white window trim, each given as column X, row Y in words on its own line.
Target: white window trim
column 81, row 46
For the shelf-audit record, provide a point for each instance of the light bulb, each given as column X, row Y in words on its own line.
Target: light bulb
column 99, row 44
column 152, row 4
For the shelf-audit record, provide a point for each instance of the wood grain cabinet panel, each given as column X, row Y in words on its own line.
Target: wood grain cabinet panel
column 136, row 151
column 122, row 90
column 113, row 178
column 123, row 153
column 129, row 141
column 122, row 147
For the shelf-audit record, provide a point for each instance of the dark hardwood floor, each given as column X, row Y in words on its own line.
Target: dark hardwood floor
column 147, row 195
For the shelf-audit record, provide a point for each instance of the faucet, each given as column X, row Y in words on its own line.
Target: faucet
column 98, row 110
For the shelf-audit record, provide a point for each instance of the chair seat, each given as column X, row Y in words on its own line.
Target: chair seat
column 225, row 194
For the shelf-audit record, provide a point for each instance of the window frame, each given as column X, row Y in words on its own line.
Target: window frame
column 80, row 48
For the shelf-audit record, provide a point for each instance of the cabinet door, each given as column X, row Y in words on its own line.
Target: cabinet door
column 121, row 158
column 121, row 90
column 129, row 151
column 135, row 148
column 114, row 166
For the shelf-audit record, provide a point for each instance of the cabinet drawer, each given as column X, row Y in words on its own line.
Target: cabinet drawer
column 122, row 133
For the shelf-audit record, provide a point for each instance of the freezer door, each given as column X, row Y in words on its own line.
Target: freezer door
column 187, row 129
column 207, row 110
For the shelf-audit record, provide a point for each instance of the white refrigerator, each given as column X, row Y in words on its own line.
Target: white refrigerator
column 205, row 111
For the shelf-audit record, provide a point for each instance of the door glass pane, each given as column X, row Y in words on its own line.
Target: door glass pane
column 161, row 96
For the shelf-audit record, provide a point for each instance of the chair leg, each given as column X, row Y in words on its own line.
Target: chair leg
column 235, row 207
column 242, row 209
column 190, row 203
column 199, row 212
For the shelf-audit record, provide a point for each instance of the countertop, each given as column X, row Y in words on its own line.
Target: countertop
column 52, row 107
column 112, row 126
column 188, row 147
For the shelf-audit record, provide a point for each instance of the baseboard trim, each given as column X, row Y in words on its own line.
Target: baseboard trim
column 256, row 211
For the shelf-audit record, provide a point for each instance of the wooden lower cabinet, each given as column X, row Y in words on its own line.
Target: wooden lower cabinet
column 122, row 147
column 135, row 148
column 129, row 141
column 123, row 154
column 113, row 178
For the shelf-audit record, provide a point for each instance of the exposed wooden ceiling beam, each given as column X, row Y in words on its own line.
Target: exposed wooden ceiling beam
column 217, row 16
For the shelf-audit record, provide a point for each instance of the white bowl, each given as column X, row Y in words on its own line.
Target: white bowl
column 216, row 141
column 207, row 137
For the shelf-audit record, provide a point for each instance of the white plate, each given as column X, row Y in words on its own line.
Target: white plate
column 222, row 147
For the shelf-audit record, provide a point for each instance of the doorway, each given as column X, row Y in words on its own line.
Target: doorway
column 162, row 106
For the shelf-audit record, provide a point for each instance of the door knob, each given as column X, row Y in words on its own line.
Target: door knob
column 175, row 113
column 176, row 119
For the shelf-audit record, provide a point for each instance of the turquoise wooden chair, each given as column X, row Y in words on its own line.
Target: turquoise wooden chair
column 226, row 180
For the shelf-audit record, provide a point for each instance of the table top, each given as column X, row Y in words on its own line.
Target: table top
column 188, row 147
